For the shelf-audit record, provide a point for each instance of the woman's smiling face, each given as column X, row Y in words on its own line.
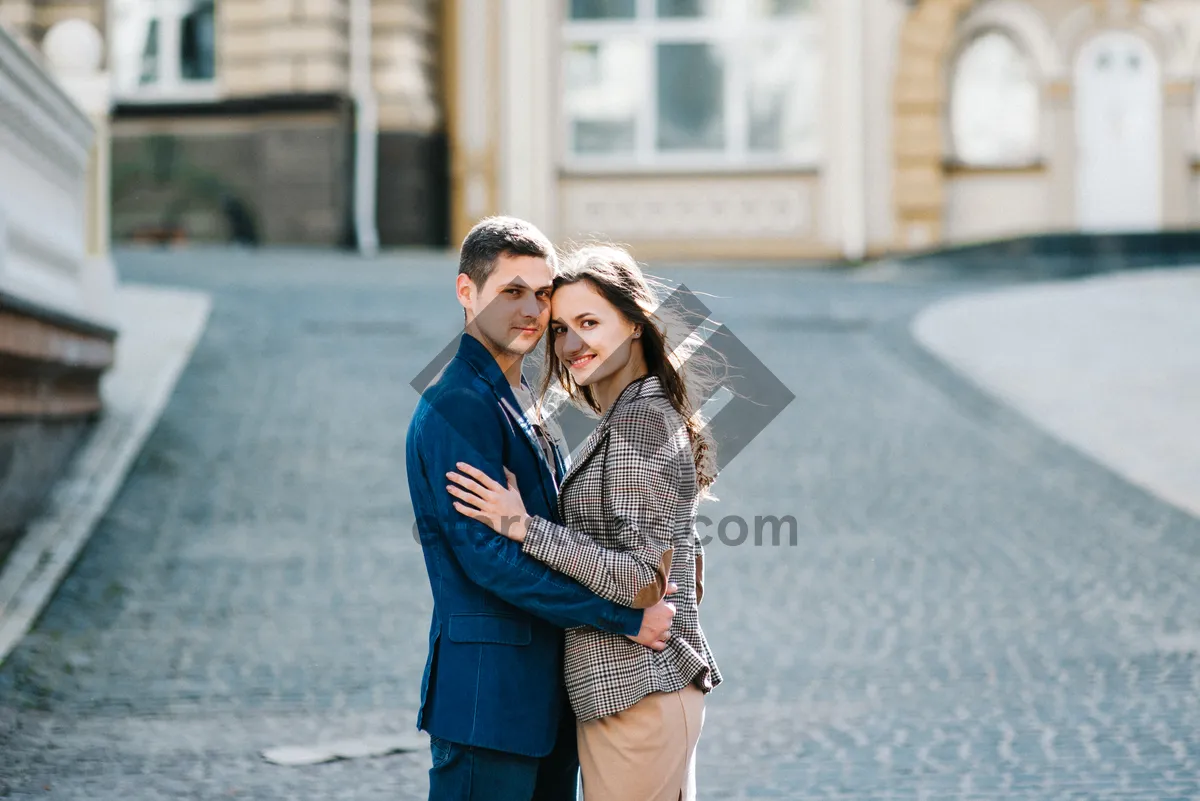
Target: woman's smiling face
column 591, row 337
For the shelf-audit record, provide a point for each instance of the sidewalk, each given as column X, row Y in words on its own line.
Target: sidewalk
column 159, row 328
column 1109, row 365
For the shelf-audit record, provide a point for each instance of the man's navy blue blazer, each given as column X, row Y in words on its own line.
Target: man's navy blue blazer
column 494, row 674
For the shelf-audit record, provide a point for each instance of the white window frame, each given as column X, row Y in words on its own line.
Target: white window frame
column 730, row 31
column 171, row 86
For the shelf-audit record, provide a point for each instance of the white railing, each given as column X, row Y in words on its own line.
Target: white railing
column 52, row 255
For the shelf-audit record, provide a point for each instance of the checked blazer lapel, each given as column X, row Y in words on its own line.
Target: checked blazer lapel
column 636, row 388
column 585, row 453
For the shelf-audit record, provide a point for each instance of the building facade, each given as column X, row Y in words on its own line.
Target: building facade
column 245, row 114
column 269, row 121
column 823, row 128
column 791, row 129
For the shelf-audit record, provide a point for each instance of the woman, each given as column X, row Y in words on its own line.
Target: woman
column 629, row 510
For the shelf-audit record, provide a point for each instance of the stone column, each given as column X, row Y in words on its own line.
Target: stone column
column 1177, row 152
column 473, row 61
column 1059, row 121
column 406, row 70
column 919, row 106
column 74, row 50
column 526, row 179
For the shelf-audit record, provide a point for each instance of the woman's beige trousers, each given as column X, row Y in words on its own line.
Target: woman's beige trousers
column 645, row 753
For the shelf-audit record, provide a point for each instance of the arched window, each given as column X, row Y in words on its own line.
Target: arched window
column 994, row 104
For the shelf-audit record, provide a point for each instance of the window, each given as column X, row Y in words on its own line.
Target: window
column 692, row 83
column 994, row 111
column 163, row 48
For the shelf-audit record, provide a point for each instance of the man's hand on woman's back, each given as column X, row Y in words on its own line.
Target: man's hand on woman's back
column 656, row 623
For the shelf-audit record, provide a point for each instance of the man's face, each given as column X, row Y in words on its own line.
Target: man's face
column 510, row 313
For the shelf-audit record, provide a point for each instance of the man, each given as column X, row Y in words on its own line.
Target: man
column 492, row 696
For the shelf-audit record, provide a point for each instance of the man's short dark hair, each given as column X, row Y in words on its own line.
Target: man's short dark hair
column 496, row 236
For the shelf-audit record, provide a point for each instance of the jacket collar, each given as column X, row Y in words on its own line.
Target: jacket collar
column 645, row 387
column 480, row 359
column 473, row 352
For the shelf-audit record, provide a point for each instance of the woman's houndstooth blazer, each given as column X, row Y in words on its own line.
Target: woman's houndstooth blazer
column 629, row 508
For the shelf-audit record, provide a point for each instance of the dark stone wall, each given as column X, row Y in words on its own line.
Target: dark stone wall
column 238, row 174
column 413, row 200
column 33, row 455
column 277, row 171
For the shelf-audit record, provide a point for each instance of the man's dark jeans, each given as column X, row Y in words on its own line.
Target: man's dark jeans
column 469, row 773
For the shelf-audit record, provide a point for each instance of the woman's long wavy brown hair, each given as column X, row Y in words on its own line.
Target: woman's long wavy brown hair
column 674, row 353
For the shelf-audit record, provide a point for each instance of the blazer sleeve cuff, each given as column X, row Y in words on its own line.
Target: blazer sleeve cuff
column 541, row 540
column 544, row 542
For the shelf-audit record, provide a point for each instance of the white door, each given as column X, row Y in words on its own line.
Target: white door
column 1118, row 108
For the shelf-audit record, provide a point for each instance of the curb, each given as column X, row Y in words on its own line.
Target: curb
column 160, row 329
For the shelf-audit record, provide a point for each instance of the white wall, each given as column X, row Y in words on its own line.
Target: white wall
column 45, row 145
column 667, row 208
column 992, row 205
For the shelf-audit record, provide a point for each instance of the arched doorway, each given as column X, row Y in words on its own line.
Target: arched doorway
column 1118, row 124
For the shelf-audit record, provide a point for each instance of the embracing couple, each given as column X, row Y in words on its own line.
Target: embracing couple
column 521, row 546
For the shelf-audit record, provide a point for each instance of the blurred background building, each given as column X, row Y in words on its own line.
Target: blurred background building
column 824, row 128
column 686, row 128
column 235, row 120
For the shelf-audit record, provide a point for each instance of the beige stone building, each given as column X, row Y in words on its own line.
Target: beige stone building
column 786, row 129
column 276, row 121
column 823, row 128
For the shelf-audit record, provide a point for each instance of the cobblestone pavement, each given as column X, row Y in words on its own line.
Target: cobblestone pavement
column 970, row 610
